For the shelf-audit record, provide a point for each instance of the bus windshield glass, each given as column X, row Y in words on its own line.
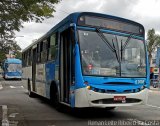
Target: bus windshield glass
column 119, row 56
column 14, row 67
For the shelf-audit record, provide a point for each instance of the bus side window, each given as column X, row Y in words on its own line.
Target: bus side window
column 24, row 61
column 44, row 51
column 48, row 47
column 29, row 57
column 38, row 53
column 52, row 51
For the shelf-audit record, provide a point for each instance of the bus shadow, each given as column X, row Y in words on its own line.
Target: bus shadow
column 87, row 113
column 100, row 114
column 12, row 79
column 92, row 113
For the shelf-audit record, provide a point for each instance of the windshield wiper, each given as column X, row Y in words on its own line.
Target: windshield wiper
column 117, row 56
column 105, row 39
column 113, row 48
column 126, row 43
column 118, row 48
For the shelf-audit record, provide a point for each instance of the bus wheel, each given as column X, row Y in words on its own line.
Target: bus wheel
column 30, row 93
column 59, row 107
column 54, row 96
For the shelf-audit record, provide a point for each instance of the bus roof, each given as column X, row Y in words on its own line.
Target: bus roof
column 13, row 60
column 73, row 17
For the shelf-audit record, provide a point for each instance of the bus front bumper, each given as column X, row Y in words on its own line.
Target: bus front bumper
column 89, row 98
column 12, row 77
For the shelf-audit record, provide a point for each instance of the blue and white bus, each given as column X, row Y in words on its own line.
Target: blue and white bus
column 12, row 68
column 89, row 60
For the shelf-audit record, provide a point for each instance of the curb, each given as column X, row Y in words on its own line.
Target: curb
column 154, row 91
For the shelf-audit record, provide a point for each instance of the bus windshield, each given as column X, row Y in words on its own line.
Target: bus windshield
column 14, row 67
column 119, row 56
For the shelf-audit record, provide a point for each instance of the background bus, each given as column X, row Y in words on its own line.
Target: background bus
column 89, row 60
column 12, row 68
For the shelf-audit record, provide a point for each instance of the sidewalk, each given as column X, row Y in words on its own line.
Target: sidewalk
column 154, row 89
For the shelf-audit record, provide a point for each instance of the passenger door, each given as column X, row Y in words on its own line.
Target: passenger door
column 66, row 64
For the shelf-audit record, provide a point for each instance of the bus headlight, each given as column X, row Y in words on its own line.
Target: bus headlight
column 88, row 87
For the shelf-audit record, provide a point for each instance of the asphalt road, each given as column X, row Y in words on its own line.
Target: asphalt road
column 17, row 109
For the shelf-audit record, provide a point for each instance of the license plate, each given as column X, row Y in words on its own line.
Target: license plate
column 119, row 98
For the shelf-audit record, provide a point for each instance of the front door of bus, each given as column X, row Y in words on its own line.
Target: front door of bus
column 65, row 65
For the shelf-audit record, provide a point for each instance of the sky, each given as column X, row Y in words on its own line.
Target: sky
column 146, row 12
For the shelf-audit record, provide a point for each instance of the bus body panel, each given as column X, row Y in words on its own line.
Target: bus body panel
column 27, row 73
column 27, row 76
column 50, row 76
column 85, row 98
column 79, row 82
column 40, row 80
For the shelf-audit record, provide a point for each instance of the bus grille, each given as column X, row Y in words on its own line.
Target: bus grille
column 115, row 91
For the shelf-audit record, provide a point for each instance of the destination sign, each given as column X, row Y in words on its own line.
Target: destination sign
column 109, row 23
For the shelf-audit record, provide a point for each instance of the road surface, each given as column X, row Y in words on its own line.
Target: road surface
column 17, row 109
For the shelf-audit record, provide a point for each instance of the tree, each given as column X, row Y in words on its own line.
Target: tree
column 14, row 12
column 5, row 47
column 16, row 49
column 153, row 41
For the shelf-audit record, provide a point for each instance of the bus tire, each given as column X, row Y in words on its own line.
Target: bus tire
column 54, row 97
column 30, row 93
